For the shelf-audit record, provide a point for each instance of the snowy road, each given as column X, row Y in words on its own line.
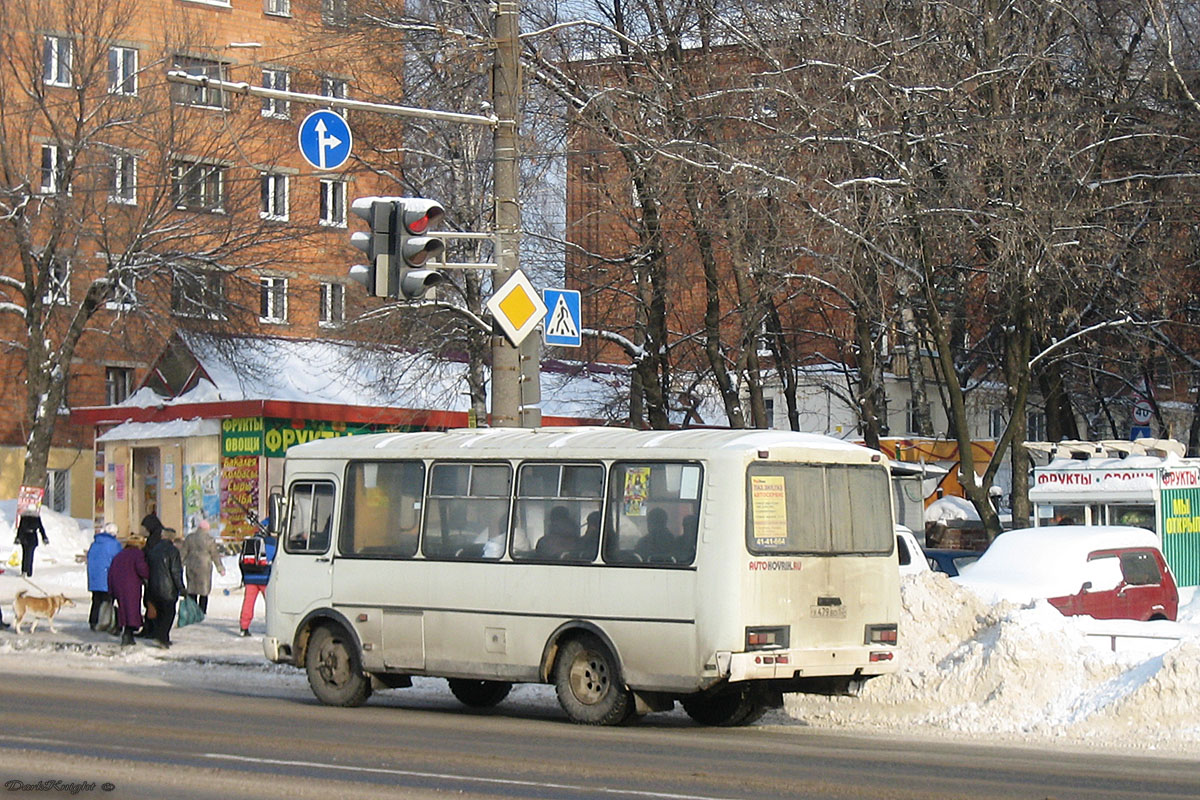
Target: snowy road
column 194, row 733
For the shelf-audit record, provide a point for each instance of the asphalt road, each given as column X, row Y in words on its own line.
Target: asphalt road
column 93, row 737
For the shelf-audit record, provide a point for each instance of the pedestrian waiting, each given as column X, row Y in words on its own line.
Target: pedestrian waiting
column 100, row 555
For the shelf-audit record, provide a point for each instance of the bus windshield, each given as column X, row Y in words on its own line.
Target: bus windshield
column 817, row 509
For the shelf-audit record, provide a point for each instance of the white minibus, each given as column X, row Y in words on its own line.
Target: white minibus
column 629, row 569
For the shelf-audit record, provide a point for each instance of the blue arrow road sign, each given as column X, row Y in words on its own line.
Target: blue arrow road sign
column 325, row 139
column 563, row 324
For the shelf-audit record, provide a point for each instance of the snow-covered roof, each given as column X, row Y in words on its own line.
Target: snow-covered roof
column 340, row 373
column 173, row 429
column 587, row 442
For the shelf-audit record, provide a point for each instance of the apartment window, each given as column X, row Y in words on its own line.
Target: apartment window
column 272, row 299
column 122, row 70
column 56, row 60
column 58, row 490
column 910, row 415
column 282, row 8
column 124, row 295
column 1160, row 368
column 197, row 293
column 124, row 179
column 199, row 95
column 334, row 87
column 58, row 282
column 997, row 422
column 280, row 80
column 52, row 169
column 333, row 202
column 1035, row 426
column 333, row 304
column 333, row 12
column 118, row 384
column 199, row 186
column 274, row 190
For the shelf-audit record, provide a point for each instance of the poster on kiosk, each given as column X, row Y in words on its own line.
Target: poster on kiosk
column 1142, row 487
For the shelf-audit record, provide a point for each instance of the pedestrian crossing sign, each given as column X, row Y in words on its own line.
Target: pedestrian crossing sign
column 563, row 325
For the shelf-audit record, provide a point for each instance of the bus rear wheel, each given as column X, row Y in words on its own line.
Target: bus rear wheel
column 478, row 694
column 588, row 682
column 334, row 671
column 729, row 706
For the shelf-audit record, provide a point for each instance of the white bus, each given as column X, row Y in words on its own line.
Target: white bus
column 630, row 569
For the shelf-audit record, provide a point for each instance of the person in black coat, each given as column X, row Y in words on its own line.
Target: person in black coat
column 27, row 536
column 165, row 583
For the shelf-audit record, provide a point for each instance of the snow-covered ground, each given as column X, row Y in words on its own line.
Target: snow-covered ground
column 969, row 670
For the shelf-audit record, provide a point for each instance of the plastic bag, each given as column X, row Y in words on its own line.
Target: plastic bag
column 106, row 617
column 189, row 612
column 14, row 560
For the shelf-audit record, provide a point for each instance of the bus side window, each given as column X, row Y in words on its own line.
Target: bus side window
column 557, row 514
column 381, row 513
column 466, row 516
column 654, row 510
column 311, row 518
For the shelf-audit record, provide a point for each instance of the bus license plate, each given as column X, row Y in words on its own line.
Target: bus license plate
column 828, row 612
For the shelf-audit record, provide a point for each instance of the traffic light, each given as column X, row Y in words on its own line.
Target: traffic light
column 416, row 218
column 377, row 243
column 396, row 246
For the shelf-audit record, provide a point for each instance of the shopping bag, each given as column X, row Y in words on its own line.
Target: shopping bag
column 106, row 616
column 14, row 560
column 189, row 612
column 151, row 611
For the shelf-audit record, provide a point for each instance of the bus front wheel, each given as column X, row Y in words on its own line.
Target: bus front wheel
column 731, row 705
column 588, row 682
column 479, row 694
column 333, row 668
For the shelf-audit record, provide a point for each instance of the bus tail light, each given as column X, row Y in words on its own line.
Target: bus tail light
column 767, row 638
column 880, row 634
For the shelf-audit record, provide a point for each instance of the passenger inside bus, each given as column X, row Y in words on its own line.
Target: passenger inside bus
column 591, row 534
column 659, row 544
column 562, row 535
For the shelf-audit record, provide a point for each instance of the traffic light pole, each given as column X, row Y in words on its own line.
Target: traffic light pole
column 506, row 94
column 506, row 84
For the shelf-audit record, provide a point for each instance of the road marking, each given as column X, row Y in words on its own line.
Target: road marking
column 465, row 778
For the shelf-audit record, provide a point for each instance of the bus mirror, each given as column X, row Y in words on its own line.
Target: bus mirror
column 275, row 510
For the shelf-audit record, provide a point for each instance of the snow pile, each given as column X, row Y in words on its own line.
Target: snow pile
column 1023, row 672
column 951, row 508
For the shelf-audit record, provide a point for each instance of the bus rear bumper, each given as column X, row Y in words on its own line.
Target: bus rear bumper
column 792, row 664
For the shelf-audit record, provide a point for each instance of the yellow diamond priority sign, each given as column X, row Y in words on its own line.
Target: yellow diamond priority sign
column 517, row 307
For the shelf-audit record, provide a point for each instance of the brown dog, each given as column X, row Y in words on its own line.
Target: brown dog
column 39, row 608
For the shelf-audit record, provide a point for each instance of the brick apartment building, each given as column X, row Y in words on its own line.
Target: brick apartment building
column 194, row 204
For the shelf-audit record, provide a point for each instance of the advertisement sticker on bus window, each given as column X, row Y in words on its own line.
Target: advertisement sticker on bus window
column 689, row 488
column 637, row 479
column 768, row 510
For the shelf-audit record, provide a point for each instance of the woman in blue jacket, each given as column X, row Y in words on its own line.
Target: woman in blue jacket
column 103, row 550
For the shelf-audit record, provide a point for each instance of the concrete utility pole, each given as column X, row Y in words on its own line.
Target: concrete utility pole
column 506, row 89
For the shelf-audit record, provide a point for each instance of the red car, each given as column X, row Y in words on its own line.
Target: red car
column 1103, row 571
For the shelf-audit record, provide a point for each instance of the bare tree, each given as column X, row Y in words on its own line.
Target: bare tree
column 124, row 210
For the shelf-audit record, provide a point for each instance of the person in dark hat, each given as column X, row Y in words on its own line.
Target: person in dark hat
column 165, row 583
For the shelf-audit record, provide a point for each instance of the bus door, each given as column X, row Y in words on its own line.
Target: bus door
column 302, row 578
